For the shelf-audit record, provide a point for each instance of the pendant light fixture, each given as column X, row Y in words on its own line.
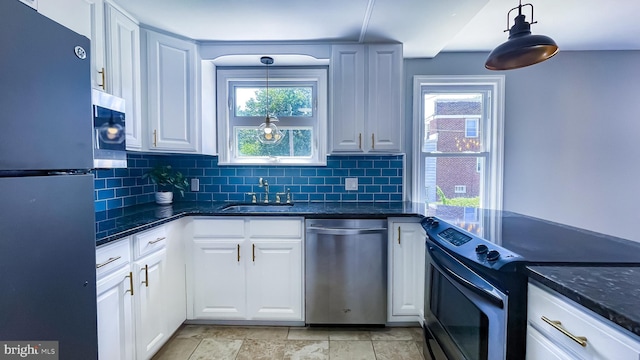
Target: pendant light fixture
column 268, row 132
column 522, row 49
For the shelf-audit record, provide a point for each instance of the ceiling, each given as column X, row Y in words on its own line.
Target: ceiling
column 425, row 27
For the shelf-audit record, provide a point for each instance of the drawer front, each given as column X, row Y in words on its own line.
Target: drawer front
column 150, row 241
column 219, row 228
column 112, row 256
column 266, row 228
column 603, row 340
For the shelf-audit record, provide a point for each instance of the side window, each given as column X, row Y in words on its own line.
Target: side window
column 459, row 131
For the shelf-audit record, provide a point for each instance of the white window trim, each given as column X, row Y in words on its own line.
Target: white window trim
column 496, row 160
column 225, row 132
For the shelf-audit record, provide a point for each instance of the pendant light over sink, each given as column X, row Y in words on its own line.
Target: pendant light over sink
column 522, row 49
column 268, row 132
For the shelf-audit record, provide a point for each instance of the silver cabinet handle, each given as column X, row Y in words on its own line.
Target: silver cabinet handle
column 157, row 240
column 112, row 259
column 581, row 340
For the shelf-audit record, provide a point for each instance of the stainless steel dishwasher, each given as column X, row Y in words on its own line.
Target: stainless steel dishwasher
column 346, row 271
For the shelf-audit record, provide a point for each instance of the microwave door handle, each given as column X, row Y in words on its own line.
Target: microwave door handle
column 462, row 281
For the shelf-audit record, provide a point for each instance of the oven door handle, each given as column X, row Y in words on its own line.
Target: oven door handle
column 438, row 259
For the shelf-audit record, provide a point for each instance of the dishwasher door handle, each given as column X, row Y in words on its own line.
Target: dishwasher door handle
column 344, row 231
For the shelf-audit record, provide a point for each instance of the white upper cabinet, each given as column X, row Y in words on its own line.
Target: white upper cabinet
column 384, row 106
column 123, row 69
column 172, row 93
column 347, row 109
column 366, row 94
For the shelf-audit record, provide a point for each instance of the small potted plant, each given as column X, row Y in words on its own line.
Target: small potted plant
column 167, row 180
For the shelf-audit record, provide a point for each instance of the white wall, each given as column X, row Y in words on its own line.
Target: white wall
column 572, row 130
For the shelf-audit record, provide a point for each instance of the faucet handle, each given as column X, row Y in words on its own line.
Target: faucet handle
column 253, row 197
column 278, row 197
column 289, row 200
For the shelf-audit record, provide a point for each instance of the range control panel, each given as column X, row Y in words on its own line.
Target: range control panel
column 467, row 246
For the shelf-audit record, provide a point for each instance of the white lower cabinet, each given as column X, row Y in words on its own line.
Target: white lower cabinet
column 246, row 269
column 115, row 303
column 558, row 328
column 151, row 332
column 141, row 293
column 218, row 279
column 274, row 280
column 406, row 270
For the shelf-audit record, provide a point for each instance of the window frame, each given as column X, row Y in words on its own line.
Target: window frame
column 230, row 77
column 492, row 132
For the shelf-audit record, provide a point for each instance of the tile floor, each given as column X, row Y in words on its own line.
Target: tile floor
column 214, row 342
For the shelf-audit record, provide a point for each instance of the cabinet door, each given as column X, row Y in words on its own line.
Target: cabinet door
column 407, row 271
column 98, row 72
column 347, row 98
column 384, row 104
column 172, row 93
column 219, row 279
column 151, row 330
column 123, row 69
column 274, row 280
column 115, row 317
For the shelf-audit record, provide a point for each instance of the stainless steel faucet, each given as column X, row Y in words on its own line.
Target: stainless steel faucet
column 263, row 183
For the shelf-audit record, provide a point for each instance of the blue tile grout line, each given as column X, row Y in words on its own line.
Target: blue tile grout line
column 379, row 179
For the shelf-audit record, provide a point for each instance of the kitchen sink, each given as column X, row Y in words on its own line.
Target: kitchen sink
column 260, row 208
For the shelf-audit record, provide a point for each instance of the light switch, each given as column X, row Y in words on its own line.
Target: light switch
column 351, row 184
column 195, row 184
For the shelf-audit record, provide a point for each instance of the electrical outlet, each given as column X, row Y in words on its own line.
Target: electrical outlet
column 195, row 184
column 351, row 184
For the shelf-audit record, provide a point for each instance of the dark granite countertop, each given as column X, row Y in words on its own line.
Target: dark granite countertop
column 114, row 224
column 613, row 292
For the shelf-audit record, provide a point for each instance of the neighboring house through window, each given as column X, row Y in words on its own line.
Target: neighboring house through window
column 458, row 131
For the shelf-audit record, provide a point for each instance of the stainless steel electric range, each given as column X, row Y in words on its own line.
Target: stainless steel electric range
column 476, row 282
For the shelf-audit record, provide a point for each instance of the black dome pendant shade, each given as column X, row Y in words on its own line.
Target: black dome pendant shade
column 522, row 49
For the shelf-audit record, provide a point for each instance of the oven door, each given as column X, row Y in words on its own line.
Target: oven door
column 465, row 316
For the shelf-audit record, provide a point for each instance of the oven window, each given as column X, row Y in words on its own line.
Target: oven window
column 465, row 323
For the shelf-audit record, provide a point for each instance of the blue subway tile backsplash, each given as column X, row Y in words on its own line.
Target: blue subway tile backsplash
column 379, row 179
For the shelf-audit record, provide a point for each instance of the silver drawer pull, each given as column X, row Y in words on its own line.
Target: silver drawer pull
column 558, row 326
column 98, row 266
column 157, row 240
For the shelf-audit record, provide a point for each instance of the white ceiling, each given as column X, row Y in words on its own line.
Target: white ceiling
column 425, row 27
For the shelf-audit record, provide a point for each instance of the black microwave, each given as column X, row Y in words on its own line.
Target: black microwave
column 109, row 132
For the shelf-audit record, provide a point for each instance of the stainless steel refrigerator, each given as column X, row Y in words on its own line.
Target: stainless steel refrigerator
column 47, row 230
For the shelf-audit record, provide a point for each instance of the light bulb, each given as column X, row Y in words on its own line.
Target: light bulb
column 267, row 130
column 268, row 135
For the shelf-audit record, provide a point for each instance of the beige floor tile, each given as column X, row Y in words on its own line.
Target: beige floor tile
column 306, row 350
column 193, row 331
column 391, row 334
column 178, row 349
column 261, row 350
column 417, row 333
column 349, row 334
column 420, row 346
column 351, row 350
column 396, row 350
column 308, row 334
column 217, row 349
column 226, row 332
column 267, row 333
